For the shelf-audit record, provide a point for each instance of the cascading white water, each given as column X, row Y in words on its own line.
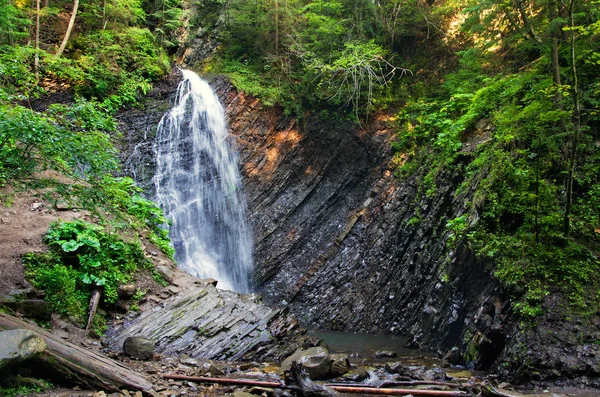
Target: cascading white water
column 199, row 188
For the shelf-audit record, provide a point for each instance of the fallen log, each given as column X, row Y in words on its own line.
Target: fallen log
column 342, row 389
column 226, row 381
column 398, row 392
column 79, row 365
column 389, row 384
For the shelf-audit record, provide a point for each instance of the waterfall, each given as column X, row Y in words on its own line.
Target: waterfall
column 199, row 188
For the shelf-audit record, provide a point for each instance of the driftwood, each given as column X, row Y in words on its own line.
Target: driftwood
column 398, row 392
column 388, row 384
column 94, row 300
column 226, row 381
column 79, row 365
column 313, row 389
column 490, row 391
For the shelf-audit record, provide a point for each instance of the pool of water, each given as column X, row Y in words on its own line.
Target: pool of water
column 364, row 346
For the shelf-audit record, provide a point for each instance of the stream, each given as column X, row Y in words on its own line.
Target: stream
column 361, row 348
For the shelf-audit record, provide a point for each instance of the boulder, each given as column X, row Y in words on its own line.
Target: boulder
column 127, row 291
column 356, row 375
column 37, row 309
column 263, row 391
column 316, row 361
column 436, row 374
column 166, row 272
column 208, row 281
column 139, row 347
column 340, row 365
column 208, row 323
column 19, row 345
column 453, row 356
column 209, row 369
column 406, row 371
column 394, row 368
column 386, row 354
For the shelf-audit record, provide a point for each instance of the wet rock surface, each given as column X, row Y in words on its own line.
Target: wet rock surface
column 138, row 347
column 344, row 242
column 560, row 350
column 200, row 321
column 346, row 245
column 18, row 345
column 316, row 361
column 138, row 127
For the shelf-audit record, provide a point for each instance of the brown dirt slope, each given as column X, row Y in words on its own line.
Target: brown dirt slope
column 24, row 219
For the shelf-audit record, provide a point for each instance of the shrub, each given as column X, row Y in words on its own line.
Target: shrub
column 82, row 257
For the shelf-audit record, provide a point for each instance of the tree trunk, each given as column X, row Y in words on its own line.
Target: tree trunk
column 276, row 27
column 36, row 61
column 576, row 127
column 527, row 22
column 104, row 21
column 552, row 15
column 69, row 29
column 79, row 365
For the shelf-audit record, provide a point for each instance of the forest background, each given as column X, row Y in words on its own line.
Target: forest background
column 522, row 75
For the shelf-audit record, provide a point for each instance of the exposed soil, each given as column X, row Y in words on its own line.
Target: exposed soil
column 24, row 219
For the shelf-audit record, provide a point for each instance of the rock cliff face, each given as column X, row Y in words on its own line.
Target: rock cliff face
column 342, row 241
column 338, row 238
column 348, row 246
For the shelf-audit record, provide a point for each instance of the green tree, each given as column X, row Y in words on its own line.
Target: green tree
column 12, row 23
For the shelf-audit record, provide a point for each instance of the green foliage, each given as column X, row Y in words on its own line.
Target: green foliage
column 113, row 59
column 119, row 66
column 306, row 55
column 23, row 135
column 75, row 140
column 531, row 270
column 16, row 77
column 60, row 282
column 12, row 22
column 26, row 390
column 457, row 228
column 135, row 300
column 164, row 20
column 245, row 78
column 349, row 76
column 72, row 139
column 82, row 257
column 504, row 131
column 126, row 201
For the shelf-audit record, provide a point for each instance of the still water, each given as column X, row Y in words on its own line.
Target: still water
column 361, row 347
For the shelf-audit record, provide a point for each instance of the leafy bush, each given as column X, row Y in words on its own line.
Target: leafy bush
column 29, row 390
column 16, row 76
column 82, row 257
column 72, row 139
column 119, row 66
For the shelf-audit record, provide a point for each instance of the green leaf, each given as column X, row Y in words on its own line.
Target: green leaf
column 71, row 245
